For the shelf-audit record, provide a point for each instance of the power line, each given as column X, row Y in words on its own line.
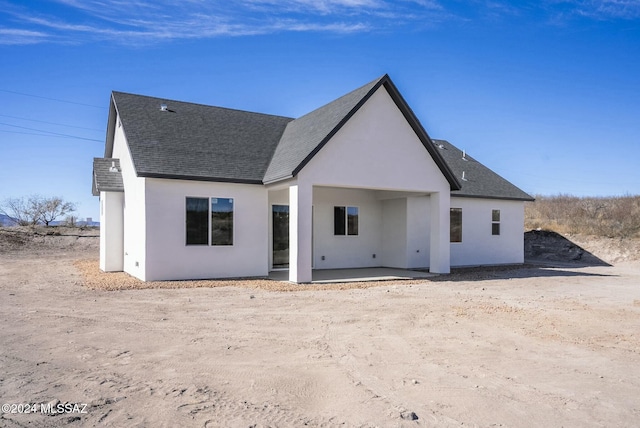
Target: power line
column 44, row 133
column 51, row 99
column 50, row 123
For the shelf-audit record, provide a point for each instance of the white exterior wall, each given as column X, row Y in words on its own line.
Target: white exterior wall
column 479, row 246
column 375, row 149
column 418, row 232
column 133, row 207
column 346, row 251
column 168, row 256
column 394, row 233
column 111, row 231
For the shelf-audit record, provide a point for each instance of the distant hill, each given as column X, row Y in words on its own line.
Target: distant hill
column 5, row 220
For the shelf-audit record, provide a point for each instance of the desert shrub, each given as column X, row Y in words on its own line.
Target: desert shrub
column 609, row 216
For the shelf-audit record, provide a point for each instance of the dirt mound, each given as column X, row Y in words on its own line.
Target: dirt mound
column 549, row 246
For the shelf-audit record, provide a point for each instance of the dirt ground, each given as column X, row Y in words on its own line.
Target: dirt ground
column 518, row 347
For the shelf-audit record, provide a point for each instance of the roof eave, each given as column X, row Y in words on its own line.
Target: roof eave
column 504, row 198
column 198, row 178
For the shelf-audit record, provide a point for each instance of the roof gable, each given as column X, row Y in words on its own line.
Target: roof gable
column 305, row 136
column 197, row 142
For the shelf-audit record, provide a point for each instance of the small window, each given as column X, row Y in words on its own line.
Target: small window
column 339, row 216
column 346, row 221
column 197, row 221
column 455, row 225
column 495, row 222
column 221, row 221
column 352, row 220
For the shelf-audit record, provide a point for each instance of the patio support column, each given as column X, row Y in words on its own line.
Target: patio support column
column 300, row 212
column 440, row 254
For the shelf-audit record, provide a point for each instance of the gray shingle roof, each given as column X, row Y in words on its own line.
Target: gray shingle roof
column 197, row 142
column 306, row 135
column 480, row 181
column 105, row 179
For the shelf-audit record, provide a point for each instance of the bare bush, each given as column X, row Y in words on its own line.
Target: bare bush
column 614, row 217
column 35, row 209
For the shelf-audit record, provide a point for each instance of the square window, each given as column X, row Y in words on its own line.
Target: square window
column 346, row 221
column 495, row 215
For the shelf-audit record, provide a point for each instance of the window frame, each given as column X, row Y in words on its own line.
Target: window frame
column 224, row 222
column 495, row 224
column 210, row 222
column 196, row 227
column 344, row 227
column 453, row 210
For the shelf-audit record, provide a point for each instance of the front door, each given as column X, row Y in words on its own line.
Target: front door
column 280, row 236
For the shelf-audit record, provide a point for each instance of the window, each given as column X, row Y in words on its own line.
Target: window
column 221, row 221
column 455, row 225
column 197, row 221
column 199, row 211
column 495, row 222
column 345, row 221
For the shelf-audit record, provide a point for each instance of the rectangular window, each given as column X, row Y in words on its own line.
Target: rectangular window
column 199, row 228
column 495, row 222
column 352, row 220
column 345, row 221
column 339, row 216
column 221, row 221
column 455, row 225
column 197, row 221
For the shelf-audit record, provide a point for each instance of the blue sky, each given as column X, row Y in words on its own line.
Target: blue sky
column 546, row 93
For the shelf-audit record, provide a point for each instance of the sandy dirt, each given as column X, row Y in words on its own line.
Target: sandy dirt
column 533, row 346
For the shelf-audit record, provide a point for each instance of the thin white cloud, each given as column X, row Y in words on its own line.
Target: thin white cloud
column 600, row 9
column 136, row 22
column 12, row 36
column 143, row 21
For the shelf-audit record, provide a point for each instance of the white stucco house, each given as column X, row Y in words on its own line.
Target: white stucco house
column 190, row 191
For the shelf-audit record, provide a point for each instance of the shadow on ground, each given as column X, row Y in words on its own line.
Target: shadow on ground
column 528, row 270
column 547, row 247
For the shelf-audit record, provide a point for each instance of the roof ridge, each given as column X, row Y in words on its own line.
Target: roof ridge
column 202, row 105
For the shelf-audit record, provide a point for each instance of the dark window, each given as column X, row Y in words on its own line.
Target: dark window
column 455, row 222
column 495, row 222
column 495, row 228
column 221, row 221
column 345, row 221
column 197, row 221
column 352, row 220
column 339, row 217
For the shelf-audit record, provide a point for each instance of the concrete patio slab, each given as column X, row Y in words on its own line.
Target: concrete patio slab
column 324, row 276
